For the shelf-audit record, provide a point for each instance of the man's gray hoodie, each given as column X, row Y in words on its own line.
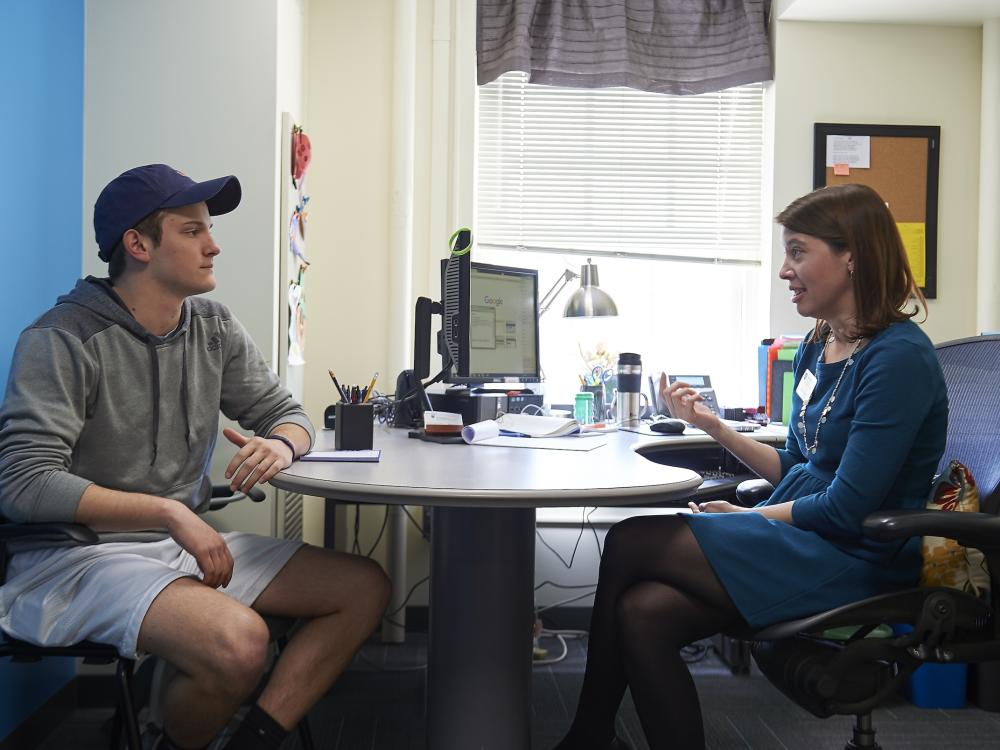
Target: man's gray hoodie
column 95, row 398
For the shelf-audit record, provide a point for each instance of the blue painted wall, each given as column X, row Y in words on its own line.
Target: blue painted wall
column 41, row 190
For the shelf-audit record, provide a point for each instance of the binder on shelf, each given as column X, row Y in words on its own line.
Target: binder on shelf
column 784, row 349
column 781, row 388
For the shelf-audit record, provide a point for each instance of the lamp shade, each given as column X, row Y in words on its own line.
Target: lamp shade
column 589, row 301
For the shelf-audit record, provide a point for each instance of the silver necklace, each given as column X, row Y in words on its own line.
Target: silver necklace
column 829, row 402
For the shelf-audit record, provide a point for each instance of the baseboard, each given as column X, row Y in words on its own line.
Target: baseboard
column 567, row 618
column 33, row 730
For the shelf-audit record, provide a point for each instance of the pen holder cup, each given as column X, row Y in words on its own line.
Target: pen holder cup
column 600, row 409
column 354, row 427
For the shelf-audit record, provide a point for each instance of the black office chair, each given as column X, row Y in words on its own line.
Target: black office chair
column 73, row 535
column 852, row 677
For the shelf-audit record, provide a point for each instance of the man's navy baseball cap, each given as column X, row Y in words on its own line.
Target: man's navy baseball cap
column 135, row 194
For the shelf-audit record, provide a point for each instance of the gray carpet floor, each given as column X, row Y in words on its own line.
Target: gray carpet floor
column 378, row 705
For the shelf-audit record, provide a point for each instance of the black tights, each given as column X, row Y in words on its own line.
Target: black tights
column 656, row 594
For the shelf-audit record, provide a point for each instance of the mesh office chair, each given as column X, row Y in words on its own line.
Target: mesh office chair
column 71, row 535
column 828, row 677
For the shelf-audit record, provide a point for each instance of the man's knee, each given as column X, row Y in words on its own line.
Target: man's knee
column 240, row 658
column 375, row 583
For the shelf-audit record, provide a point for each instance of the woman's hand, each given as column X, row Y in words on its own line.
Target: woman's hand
column 684, row 402
column 717, row 506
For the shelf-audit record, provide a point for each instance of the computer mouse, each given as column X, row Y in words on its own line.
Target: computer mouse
column 668, row 426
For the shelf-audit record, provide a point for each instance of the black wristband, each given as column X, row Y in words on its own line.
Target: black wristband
column 286, row 441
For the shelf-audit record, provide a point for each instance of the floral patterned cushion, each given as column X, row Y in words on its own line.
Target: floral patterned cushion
column 946, row 562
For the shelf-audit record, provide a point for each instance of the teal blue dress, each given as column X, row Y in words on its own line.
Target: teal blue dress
column 878, row 450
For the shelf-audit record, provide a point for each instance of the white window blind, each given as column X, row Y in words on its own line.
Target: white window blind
column 621, row 172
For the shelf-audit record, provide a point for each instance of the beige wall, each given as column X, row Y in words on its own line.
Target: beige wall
column 825, row 72
column 212, row 110
column 349, row 105
column 894, row 75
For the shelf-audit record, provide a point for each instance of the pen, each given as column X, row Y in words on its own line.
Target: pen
column 343, row 395
column 370, row 388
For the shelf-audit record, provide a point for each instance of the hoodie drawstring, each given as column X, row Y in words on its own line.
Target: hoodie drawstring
column 184, row 390
column 154, row 364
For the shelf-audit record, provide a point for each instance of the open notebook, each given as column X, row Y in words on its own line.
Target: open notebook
column 529, row 425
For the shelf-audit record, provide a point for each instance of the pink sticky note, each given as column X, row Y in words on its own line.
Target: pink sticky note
column 841, row 170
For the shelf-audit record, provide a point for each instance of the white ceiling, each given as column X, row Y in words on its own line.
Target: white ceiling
column 932, row 12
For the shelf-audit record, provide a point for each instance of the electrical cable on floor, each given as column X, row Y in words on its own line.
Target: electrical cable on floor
column 559, row 635
column 555, row 659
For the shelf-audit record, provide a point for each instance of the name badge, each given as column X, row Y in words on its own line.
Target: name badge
column 806, row 385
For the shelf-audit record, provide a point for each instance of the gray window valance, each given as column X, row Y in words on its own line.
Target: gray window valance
column 666, row 46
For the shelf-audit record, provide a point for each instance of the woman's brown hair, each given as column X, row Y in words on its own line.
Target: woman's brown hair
column 855, row 219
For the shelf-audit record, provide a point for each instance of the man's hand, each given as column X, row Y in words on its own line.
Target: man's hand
column 204, row 543
column 717, row 506
column 257, row 460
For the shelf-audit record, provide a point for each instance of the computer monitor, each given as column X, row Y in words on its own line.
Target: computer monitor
column 490, row 326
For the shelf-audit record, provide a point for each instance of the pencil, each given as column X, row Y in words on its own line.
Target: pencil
column 370, row 388
column 343, row 395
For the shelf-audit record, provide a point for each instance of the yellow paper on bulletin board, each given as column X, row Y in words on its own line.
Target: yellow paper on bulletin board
column 914, row 235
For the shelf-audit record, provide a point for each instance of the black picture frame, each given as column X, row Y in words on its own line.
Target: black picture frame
column 932, row 135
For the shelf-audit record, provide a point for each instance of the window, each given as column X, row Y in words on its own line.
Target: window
column 663, row 192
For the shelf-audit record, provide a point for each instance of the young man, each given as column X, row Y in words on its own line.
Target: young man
column 110, row 419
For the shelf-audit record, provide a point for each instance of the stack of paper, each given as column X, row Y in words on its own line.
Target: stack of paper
column 522, row 431
column 528, row 425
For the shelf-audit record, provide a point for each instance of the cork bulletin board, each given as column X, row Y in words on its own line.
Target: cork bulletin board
column 900, row 163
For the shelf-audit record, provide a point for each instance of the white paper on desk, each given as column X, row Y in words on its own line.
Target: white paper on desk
column 556, row 443
column 476, row 433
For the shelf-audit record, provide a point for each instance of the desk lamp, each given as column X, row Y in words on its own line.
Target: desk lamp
column 589, row 301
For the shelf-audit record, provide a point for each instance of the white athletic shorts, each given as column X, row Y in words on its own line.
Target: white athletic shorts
column 101, row 592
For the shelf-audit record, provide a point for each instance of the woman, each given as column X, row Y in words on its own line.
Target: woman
column 867, row 431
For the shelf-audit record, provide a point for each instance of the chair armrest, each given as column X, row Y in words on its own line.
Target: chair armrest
column 753, row 491
column 979, row 530
column 223, row 496
column 75, row 534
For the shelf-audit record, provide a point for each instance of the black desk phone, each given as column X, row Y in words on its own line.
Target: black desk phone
column 701, row 383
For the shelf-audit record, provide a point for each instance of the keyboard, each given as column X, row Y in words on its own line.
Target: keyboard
column 717, row 474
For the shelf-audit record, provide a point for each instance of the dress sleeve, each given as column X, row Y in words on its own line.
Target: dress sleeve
column 892, row 401
column 51, row 381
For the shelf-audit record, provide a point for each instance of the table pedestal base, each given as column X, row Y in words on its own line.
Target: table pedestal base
column 481, row 620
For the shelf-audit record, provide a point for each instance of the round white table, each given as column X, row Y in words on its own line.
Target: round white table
column 482, row 555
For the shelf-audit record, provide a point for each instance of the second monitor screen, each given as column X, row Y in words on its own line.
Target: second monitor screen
column 502, row 322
